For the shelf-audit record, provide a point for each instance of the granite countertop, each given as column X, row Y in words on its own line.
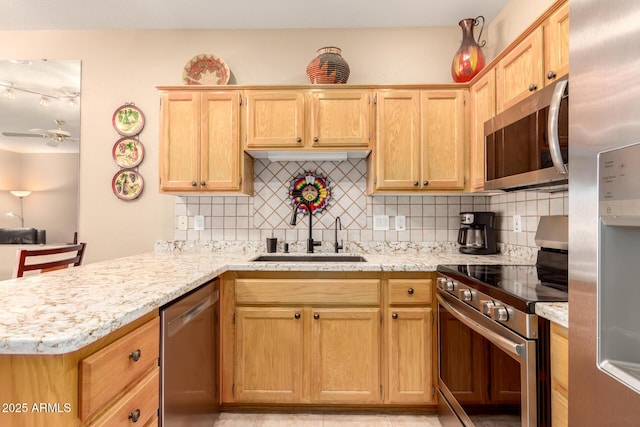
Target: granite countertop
column 557, row 312
column 62, row 311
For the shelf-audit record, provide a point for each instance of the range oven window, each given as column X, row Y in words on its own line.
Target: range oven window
column 484, row 379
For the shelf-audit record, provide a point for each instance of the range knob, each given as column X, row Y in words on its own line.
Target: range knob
column 486, row 306
column 450, row 285
column 499, row 313
column 465, row 295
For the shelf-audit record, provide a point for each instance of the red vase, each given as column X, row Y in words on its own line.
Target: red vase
column 328, row 67
column 469, row 59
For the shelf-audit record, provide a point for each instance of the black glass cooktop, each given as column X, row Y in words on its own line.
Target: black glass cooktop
column 520, row 286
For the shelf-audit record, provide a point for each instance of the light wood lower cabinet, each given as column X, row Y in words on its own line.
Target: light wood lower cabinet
column 410, row 342
column 363, row 339
column 100, row 384
column 559, row 375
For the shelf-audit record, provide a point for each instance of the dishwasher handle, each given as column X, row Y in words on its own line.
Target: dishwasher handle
column 175, row 325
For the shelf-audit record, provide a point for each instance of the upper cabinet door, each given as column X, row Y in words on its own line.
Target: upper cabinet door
column 483, row 108
column 275, row 119
column 556, row 44
column 180, row 141
column 220, row 152
column 520, row 72
column 397, row 152
column 340, row 118
column 442, row 148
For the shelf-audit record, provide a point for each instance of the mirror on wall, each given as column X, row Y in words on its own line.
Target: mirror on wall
column 40, row 146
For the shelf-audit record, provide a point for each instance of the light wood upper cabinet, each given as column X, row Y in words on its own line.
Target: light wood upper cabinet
column 274, row 119
column 200, row 143
column 520, row 72
column 442, row 148
column 483, row 108
column 340, row 118
column 311, row 119
column 419, row 141
column 269, row 354
column 556, row 44
column 397, row 153
column 345, row 355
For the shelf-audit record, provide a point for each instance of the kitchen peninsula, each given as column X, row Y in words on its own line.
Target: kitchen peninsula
column 59, row 319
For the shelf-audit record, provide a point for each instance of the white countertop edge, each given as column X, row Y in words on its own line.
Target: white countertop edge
column 557, row 312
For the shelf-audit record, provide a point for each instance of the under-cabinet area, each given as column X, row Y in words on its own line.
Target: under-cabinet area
column 336, row 339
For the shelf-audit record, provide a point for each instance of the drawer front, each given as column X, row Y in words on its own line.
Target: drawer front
column 308, row 291
column 140, row 404
column 108, row 371
column 410, row 291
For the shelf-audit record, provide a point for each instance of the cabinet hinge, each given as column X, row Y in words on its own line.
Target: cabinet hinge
column 433, row 391
column 240, row 100
column 233, row 389
column 464, row 99
column 369, row 100
column 380, row 390
column 369, row 136
column 233, row 320
column 240, row 179
column 375, row 180
column 381, row 318
column 375, row 100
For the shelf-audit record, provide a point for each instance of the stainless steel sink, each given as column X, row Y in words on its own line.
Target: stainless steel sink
column 309, row 258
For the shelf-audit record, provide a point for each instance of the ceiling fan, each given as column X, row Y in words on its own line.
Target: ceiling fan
column 54, row 136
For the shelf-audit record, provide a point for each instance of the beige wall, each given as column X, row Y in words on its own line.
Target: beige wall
column 125, row 66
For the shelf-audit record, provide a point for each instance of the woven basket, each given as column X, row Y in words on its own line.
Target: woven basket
column 328, row 67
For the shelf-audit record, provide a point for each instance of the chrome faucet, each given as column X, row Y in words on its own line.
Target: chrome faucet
column 294, row 220
column 337, row 246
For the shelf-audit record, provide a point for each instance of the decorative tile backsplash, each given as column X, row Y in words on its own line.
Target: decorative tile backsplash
column 429, row 218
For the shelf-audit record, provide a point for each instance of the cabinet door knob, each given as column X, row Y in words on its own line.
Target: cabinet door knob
column 298, row 139
column 394, row 315
column 193, row 183
column 203, row 183
column 135, row 415
column 532, row 87
column 135, row 355
column 410, row 291
column 315, row 139
column 551, row 75
column 297, row 315
column 425, row 183
column 416, row 183
column 316, row 316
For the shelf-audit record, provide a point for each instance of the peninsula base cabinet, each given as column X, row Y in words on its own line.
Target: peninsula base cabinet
column 107, row 383
column 290, row 340
column 559, row 375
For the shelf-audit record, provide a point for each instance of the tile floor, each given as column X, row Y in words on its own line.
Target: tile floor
column 239, row 419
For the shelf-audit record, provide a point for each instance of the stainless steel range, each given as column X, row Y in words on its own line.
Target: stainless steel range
column 494, row 349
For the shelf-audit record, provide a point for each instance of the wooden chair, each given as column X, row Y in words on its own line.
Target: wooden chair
column 45, row 260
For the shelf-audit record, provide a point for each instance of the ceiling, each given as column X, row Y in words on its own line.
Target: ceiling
column 59, row 81
column 239, row 14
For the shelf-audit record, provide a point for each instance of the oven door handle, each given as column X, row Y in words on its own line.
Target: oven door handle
column 504, row 343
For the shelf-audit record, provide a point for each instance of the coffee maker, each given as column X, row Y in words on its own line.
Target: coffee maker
column 477, row 233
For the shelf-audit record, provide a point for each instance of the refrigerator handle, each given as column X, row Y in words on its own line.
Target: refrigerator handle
column 552, row 127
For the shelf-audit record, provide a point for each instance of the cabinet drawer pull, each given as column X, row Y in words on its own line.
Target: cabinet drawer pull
column 551, row 75
column 410, row 291
column 135, row 355
column 193, row 183
column 316, row 316
column 297, row 315
column 394, row 315
column 532, row 87
column 135, row 415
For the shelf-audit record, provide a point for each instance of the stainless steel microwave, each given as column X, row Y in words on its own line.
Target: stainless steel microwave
column 527, row 146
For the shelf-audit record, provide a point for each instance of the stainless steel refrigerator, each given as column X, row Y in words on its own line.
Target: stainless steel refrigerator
column 604, row 260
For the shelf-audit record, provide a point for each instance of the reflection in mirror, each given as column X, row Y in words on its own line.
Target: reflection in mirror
column 40, row 148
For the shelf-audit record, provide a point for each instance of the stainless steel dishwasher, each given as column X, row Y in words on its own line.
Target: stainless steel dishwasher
column 189, row 358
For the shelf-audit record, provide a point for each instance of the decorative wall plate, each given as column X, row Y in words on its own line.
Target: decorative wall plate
column 128, row 120
column 206, row 69
column 313, row 188
column 127, row 184
column 128, row 152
